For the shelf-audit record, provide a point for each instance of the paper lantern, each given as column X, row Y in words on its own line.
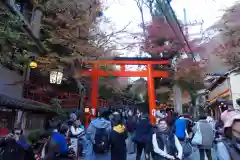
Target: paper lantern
column 56, row 77
column 33, row 64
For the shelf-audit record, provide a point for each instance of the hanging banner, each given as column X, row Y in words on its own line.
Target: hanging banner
column 93, row 111
column 154, row 112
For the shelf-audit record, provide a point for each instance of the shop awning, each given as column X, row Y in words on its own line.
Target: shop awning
column 220, row 95
column 220, row 101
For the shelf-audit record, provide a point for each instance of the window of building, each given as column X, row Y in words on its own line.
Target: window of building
column 34, row 122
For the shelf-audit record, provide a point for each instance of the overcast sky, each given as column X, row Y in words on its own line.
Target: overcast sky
column 121, row 12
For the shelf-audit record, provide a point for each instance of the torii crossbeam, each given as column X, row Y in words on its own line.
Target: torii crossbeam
column 95, row 72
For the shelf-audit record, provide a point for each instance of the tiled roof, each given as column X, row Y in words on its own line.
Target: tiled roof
column 24, row 104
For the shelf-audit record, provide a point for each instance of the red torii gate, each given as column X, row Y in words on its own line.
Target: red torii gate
column 95, row 72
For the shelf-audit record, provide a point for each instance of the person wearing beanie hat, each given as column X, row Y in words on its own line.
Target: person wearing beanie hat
column 229, row 147
column 73, row 116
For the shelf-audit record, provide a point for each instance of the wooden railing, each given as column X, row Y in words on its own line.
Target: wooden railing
column 68, row 100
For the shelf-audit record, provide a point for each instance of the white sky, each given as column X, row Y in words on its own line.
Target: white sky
column 207, row 10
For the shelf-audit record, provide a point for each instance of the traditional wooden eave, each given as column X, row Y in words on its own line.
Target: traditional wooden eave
column 221, row 79
column 24, row 104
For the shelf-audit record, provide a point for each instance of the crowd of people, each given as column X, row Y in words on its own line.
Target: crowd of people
column 115, row 134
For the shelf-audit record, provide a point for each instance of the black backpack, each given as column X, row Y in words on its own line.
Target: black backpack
column 102, row 141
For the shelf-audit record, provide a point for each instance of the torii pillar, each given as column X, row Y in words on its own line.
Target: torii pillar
column 151, row 93
column 94, row 89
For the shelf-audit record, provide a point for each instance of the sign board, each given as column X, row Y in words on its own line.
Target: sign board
column 93, row 111
column 154, row 112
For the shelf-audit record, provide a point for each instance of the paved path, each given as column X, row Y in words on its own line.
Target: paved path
column 133, row 157
column 129, row 157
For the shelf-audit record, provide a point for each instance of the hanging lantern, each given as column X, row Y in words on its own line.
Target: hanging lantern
column 56, row 77
column 87, row 109
column 33, row 64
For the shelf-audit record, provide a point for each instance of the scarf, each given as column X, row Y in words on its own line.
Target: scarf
column 163, row 135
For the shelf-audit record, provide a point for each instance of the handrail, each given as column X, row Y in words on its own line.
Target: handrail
column 68, row 100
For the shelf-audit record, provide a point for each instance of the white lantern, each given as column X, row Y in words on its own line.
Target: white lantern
column 56, row 77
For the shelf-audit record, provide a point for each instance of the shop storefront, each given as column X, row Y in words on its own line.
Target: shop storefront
column 33, row 114
column 219, row 90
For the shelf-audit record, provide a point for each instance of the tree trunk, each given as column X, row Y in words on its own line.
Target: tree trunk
column 143, row 22
column 177, row 99
column 36, row 21
column 81, row 91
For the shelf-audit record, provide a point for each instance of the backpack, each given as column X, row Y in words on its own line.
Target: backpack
column 102, row 141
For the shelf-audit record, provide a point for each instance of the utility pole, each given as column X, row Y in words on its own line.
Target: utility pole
column 195, row 23
column 176, row 89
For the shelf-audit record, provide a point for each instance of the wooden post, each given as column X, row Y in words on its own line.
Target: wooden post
column 123, row 68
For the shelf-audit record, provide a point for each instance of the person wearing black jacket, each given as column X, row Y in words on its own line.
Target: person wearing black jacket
column 143, row 137
column 118, row 137
column 11, row 150
column 131, row 126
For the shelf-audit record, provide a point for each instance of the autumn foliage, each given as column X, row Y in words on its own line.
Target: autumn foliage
column 226, row 43
column 163, row 37
column 71, row 31
column 167, row 39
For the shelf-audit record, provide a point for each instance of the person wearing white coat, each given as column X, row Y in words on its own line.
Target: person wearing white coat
column 166, row 145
